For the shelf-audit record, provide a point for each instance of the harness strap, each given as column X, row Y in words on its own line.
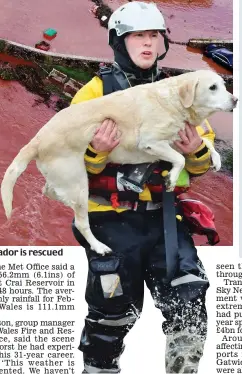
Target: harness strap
column 111, row 84
column 106, row 73
column 170, row 232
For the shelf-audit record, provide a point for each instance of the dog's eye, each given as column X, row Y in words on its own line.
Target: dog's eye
column 213, row 87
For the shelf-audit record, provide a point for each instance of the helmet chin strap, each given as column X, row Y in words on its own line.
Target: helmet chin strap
column 166, row 42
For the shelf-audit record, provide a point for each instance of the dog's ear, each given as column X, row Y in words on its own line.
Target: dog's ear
column 187, row 92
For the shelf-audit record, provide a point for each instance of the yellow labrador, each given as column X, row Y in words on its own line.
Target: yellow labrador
column 149, row 117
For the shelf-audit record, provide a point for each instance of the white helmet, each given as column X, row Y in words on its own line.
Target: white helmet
column 135, row 16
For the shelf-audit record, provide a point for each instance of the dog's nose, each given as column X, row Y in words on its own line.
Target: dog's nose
column 235, row 99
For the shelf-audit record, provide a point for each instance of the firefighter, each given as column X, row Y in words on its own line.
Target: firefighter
column 131, row 221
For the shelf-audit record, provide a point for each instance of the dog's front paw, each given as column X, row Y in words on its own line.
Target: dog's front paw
column 216, row 161
column 170, row 185
column 101, row 248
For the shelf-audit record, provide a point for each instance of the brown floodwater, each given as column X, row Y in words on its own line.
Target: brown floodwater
column 37, row 220
column 187, row 19
column 192, row 19
column 79, row 32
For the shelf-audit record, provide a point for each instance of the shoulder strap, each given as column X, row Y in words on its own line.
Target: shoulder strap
column 170, row 232
column 106, row 75
column 113, row 79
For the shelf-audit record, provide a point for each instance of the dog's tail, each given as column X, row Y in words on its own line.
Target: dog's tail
column 17, row 167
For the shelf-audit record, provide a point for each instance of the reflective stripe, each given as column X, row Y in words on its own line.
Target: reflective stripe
column 124, row 204
column 205, row 127
column 192, row 200
column 115, row 322
column 93, row 369
column 120, row 187
column 118, row 322
column 194, row 163
column 95, row 166
column 151, row 205
column 102, row 201
column 186, row 279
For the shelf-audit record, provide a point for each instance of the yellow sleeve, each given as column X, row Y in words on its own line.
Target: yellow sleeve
column 95, row 161
column 199, row 162
column 91, row 90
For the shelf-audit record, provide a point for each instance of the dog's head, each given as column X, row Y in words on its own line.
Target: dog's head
column 205, row 92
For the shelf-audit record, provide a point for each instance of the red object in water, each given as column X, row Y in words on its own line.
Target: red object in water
column 44, row 46
column 48, row 37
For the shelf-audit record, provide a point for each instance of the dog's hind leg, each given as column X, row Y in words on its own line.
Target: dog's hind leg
column 67, row 182
column 80, row 207
column 82, row 224
column 46, row 190
column 78, row 200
